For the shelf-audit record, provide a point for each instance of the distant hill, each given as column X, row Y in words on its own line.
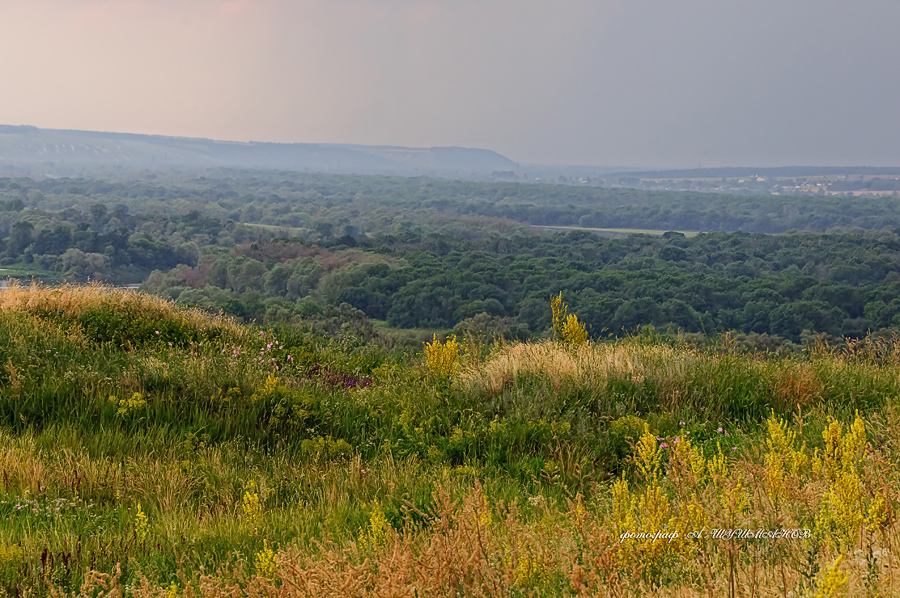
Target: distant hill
column 53, row 151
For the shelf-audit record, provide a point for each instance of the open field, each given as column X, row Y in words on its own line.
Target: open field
column 24, row 272
column 174, row 453
column 617, row 231
column 291, row 230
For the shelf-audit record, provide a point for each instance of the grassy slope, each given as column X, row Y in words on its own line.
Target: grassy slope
column 161, row 443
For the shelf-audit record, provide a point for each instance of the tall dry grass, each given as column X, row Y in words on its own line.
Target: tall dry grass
column 71, row 301
column 474, row 548
column 709, row 382
column 587, row 365
column 476, row 545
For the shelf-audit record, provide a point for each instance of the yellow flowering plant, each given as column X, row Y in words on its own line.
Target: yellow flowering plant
column 442, row 358
column 566, row 326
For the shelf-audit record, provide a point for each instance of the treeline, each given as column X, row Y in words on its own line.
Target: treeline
column 337, row 205
column 873, row 184
column 790, row 286
column 115, row 246
column 773, row 172
column 423, row 253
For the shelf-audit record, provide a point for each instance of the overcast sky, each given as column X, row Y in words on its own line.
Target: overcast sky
column 655, row 83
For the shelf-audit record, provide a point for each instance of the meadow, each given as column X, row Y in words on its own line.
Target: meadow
column 147, row 449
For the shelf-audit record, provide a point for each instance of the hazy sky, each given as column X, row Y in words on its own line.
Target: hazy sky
column 662, row 83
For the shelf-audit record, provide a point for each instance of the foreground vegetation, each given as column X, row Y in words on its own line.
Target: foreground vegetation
column 150, row 449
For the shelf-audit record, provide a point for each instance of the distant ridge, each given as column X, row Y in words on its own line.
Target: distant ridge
column 58, row 151
column 743, row 171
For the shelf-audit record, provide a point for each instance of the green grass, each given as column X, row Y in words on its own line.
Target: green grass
column 292, row 230
column 25, row 272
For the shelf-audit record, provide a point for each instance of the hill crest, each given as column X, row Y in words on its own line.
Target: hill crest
column 55, row 151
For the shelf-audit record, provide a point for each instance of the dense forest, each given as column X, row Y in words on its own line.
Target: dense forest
column 839, row 284
column 335, row 204
column 425, row 253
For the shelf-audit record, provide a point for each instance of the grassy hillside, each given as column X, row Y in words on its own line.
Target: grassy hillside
column 154, row 450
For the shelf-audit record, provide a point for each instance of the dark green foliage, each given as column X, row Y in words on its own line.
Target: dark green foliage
column 789, row 286
column 451, row 260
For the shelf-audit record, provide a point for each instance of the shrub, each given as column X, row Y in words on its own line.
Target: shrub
column 566, row 326
column 442, row 358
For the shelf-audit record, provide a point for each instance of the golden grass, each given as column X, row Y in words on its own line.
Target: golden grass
column 75, row 300
column 797, row 386
column 21, row 467
column 588, row 365
column 474, row 549
column 679, row 376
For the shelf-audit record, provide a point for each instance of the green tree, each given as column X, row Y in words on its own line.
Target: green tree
column 21, row 236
